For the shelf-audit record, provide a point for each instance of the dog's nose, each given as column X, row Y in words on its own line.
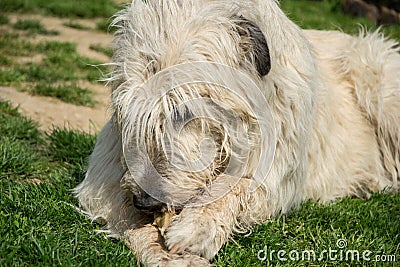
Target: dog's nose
column 145, row 202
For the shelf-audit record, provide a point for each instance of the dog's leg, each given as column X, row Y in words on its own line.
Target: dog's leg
column 204, row 230
column 100, row 194
column 147, row 244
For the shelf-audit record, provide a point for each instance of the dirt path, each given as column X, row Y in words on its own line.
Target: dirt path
column 49, row 111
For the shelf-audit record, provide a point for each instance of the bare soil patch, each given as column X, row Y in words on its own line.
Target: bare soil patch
column 51, row 112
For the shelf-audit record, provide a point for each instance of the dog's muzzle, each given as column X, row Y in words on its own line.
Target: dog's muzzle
column 145, row 202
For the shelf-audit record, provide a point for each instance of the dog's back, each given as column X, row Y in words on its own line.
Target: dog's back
column 357, row 127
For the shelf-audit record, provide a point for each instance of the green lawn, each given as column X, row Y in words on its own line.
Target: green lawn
column 327, row 15
column 33, row 27
column 55, row 75
column 70, row 8
column 39, row 224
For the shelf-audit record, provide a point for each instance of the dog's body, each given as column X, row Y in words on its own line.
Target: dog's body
column 334, row 100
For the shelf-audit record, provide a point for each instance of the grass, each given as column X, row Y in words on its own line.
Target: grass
column 67, row 93
column 39, row 225
column 364, row 225
column 327, row 15
column 13, row 46
column 55, row 75
column 101, row 49
column 76, row 25
column 4, row 19
column 105, row 26
column 70, row 8
column 33, row 26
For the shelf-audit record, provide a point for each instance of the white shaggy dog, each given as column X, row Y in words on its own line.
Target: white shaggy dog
column 225, row 114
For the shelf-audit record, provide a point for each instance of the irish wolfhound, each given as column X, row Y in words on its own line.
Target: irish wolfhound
column 225, row 114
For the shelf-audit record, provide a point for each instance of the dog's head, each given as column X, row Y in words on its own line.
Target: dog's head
column 186, row 99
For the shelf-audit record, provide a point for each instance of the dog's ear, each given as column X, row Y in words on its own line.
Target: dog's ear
column 254, row 45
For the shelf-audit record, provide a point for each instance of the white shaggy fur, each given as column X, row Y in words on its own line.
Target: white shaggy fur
column 334, row 99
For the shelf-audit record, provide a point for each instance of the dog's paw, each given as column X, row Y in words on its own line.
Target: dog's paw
column 186, row 261
column 145, row 243
column 196, row 231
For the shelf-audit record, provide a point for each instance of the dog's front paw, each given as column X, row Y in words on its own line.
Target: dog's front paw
column 186, row 261
column 195, row 230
